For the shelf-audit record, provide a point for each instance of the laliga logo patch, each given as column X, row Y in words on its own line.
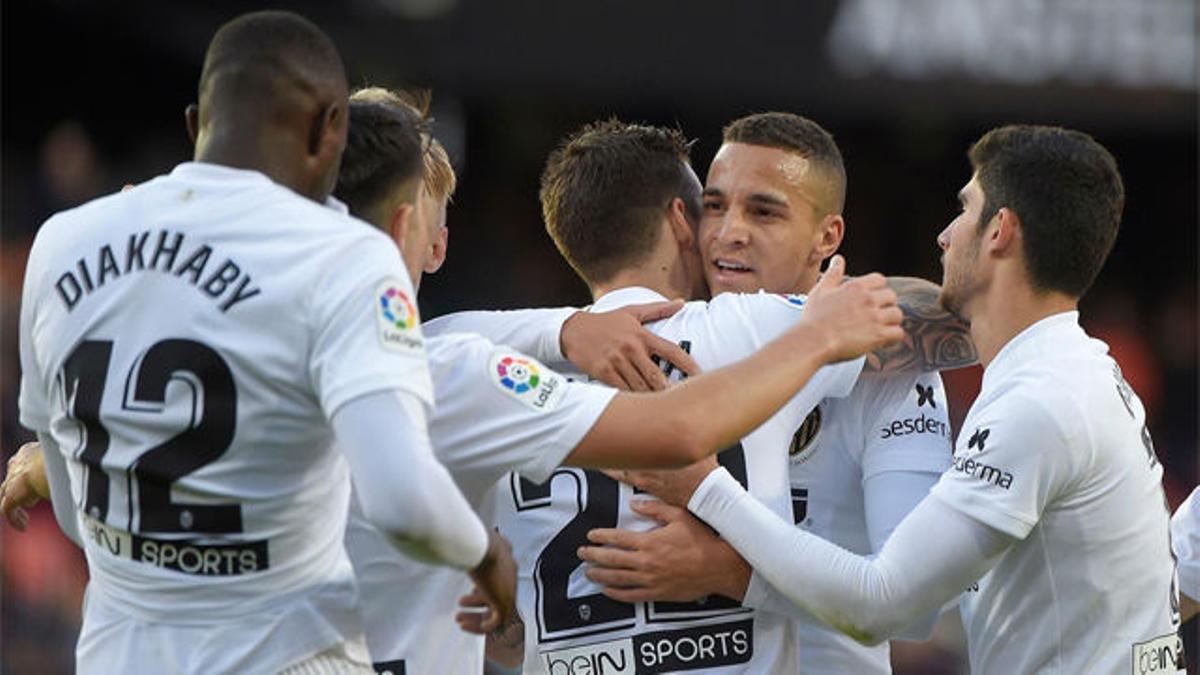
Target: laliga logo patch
column 527, row 381
column 397, row 318
column 518, row 374
column 803, row 441
column 397, row 309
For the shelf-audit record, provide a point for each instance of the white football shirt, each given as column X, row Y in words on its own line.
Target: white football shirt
column 1055, row 452
column 840, row 458
column 1185, row 538
column 496, row 411
column 569, row 624
column 184, row 343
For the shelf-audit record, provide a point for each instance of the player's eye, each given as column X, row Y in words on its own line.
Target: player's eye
column 713, row 206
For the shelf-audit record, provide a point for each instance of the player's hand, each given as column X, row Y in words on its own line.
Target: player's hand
column 682, row 561
column 674, row 487
column 495, row 589
column 856, row 316
column 24, row 486
column 615, row 349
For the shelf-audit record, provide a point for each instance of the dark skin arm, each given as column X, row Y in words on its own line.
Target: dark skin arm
column 934, row 339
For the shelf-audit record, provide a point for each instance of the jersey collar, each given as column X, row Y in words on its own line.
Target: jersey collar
column 623, row 297
column 1040, row 340
column 208, row 172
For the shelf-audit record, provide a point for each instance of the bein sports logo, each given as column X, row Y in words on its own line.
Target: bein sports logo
column 517, row 374
column 397, row 309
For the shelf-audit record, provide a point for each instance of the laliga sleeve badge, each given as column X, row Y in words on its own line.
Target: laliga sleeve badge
column 396, row 316
column 526, row 380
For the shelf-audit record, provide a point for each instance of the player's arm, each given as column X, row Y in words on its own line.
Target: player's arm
column 35, row 476
column 934, row 339
column 1185, row 540
column 703, row 414
column 611, row 347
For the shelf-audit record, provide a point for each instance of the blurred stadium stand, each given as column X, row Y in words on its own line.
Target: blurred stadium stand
column 93, row 93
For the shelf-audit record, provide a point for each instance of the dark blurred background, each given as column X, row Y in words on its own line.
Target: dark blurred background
column 93, row 95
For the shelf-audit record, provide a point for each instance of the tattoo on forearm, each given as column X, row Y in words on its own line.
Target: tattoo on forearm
column 934, row 339
column 511, row 634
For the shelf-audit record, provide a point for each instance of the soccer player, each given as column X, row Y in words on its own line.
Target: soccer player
column 191, row 347
column 774, row 196
column 1053, row 514
column 530, row 420
column 1185, row 537
column 622, row 204
column 527, row 419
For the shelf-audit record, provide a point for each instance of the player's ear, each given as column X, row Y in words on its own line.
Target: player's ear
column 191, row 117
column 437, row 250
column 828, row 237
column 328, row 131
column 401, row 223
column 1003, row 233
column 681, row 227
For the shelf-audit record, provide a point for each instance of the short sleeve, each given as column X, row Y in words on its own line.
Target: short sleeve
column 1012, row 459
column 906, row 425
column 500, row 411
column 1185, row 539
column 33, row 403
column 531, row 331
column 762, row 317
column 366, row 330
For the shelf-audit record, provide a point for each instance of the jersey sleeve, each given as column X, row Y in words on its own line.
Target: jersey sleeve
column 1011, row 460
column 906, row 425
column 762, row 317
column 530, row 331
column 32, row 400
column 1185, row 539
column 502, row 411
column 366, row 330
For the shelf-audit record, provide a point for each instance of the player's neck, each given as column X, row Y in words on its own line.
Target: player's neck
column 238, row 152
column 661, row 277
column 1006, row 309
column 663, row 270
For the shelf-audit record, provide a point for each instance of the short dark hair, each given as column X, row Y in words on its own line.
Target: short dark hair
column 257, row 48
column 605, row 191
column 385, row 147
column 1067, row 192
column 794, row 133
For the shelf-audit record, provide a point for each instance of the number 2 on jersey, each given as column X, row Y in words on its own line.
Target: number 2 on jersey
column 207, row 437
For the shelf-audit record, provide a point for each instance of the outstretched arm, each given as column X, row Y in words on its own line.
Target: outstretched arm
column 931, row 557
column 704, row 414
column 934, row 339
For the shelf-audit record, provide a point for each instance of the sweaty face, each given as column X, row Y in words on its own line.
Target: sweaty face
column 761, row 221
column 961, row 241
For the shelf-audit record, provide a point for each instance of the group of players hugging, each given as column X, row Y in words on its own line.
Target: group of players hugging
column 730, row 462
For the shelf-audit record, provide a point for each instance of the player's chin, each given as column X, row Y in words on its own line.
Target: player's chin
column 733, row 282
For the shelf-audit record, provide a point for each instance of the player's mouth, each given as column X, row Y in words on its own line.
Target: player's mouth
column 731, row 271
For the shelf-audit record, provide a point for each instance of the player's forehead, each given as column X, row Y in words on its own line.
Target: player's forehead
column 741, row 171
column 972, row 192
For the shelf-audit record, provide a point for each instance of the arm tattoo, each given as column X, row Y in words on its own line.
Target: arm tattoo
column 506, row 644
column 934, row 339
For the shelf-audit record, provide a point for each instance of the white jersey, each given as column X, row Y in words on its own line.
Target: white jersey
column 496, row 411
column 185, row 343
column 1185, row 539
column 1055, row 452
column 839, row 458
column 569, row 625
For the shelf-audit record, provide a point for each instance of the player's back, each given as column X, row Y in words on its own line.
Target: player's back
column 569, row 625
column 1091, row 586
column 182, row 346
column 480, row 430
